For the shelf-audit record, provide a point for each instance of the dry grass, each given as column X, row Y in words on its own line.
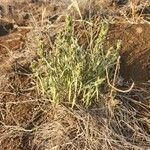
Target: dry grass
column 93, row 130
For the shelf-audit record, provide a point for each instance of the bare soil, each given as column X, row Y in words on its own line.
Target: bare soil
column 16, row 105
column 135, row 50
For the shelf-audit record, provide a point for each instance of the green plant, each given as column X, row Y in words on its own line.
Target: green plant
column 70, row 73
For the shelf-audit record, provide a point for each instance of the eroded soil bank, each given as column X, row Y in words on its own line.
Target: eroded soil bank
column 135, row 50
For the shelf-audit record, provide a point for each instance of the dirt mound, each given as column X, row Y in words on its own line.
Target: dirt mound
column 135, row 50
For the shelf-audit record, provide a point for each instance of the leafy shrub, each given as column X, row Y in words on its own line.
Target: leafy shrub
column 70, row 73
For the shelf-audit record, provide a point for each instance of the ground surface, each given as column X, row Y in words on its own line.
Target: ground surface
column 135, row 51
column 17, row 107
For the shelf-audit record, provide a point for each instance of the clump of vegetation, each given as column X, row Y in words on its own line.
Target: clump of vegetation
column 71, row 73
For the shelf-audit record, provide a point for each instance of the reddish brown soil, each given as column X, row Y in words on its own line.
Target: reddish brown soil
column 135, row 51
